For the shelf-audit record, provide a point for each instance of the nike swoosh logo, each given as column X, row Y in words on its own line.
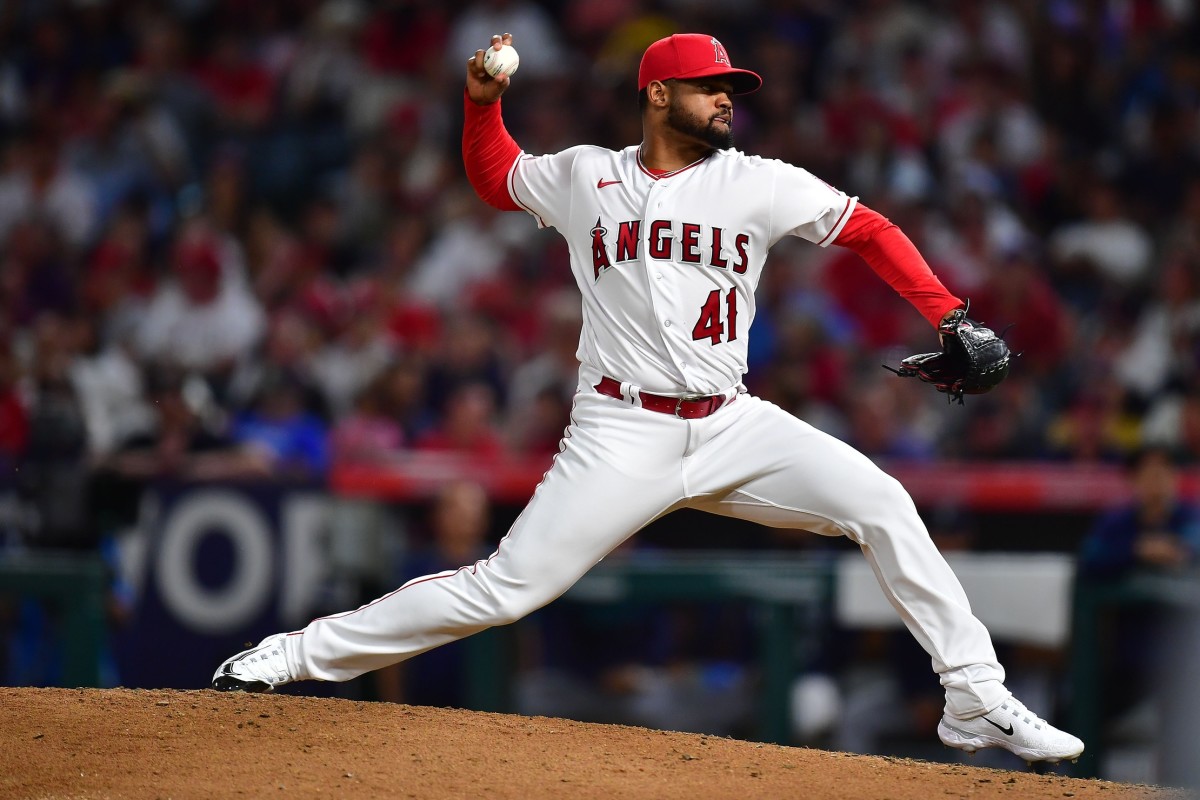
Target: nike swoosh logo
column 1006, row 731
column 600, row 184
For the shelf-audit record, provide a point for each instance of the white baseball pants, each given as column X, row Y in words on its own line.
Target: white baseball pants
column 620, row 468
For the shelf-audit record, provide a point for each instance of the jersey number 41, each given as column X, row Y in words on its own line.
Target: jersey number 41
column 710, row 326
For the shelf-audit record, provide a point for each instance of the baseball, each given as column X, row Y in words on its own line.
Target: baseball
column 503, row 61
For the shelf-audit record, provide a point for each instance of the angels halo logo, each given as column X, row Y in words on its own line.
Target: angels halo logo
column 719, row 54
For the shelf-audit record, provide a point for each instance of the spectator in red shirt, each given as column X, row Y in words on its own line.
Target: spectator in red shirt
column 467, row 426
column 406, row 37
column 241, row 89
column 370, row 434
column 1015, row 293
column 14, row 421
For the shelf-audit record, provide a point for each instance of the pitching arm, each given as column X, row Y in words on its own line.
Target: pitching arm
column 488, row 149
column 488, row 153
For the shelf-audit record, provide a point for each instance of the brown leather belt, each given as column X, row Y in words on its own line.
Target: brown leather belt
column 683, row 407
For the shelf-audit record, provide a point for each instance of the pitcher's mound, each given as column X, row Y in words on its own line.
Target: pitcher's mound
column 90, row 743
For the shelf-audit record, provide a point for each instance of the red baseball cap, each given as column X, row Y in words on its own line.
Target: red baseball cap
column 693, row 55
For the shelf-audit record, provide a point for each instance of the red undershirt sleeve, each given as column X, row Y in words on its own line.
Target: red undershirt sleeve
column 896, row 259
column 488, row 153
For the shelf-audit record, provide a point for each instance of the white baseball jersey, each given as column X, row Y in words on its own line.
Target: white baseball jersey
column 668, row 264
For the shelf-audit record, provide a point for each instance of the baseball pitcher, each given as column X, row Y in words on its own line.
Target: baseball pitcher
column 667, row 241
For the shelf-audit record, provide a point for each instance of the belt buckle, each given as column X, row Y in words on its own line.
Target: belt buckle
column 687, row 398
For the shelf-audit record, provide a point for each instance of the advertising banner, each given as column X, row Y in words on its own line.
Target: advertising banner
column 213, row 567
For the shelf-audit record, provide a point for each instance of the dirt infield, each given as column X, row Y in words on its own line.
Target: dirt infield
column 89, row 743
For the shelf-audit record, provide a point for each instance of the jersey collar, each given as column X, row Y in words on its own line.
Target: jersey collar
column 660, row 175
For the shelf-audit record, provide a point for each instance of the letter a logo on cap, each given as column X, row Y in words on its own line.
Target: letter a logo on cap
column 719, row 54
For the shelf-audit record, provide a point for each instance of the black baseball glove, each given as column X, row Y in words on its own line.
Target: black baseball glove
column 973, row 359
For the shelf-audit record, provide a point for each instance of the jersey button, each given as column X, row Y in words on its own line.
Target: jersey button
column 667, row 323
column 658, row 276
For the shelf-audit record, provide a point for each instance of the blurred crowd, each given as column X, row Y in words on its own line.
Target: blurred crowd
column 237, row 239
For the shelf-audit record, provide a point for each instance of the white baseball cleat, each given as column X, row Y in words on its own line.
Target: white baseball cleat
column 259, row 669
column 1013, row 727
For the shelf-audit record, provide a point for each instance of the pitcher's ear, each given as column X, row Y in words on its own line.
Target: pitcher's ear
column 658, row 94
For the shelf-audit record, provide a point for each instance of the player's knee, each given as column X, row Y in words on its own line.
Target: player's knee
column 512, row 603
column 884, row 505
column 898, row 497
column 511, row 591
column 508, row 611
column 882, row 495
column 511, row 609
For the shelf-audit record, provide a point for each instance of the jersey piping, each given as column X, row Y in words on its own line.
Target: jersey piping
column 660, row 175
column 837, row 226
column 512, row 189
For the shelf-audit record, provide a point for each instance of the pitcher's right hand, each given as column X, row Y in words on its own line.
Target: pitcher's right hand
column 481, row 87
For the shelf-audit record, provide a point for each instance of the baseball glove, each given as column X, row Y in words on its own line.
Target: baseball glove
column 973, row 359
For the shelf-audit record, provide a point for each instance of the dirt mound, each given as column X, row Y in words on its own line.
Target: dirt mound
column 89, row 743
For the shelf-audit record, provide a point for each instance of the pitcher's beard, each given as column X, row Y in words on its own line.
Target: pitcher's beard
column 711, row 132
